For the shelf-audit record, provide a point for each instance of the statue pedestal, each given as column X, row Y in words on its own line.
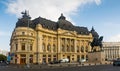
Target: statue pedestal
column 96, row 57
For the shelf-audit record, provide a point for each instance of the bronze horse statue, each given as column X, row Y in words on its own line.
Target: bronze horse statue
column 97, row 42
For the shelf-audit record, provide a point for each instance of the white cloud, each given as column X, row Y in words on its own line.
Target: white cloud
column 98, row 2
column 115, row 38
column 50, row 9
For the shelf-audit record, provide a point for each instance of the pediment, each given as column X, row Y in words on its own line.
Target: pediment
column 68, row 34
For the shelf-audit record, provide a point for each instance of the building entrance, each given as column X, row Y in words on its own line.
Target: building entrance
column 69, row 58
column 22, row 59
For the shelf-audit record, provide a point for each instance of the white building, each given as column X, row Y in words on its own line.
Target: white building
column 112, row 50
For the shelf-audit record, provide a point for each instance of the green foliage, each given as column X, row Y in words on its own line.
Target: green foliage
column 2, row 57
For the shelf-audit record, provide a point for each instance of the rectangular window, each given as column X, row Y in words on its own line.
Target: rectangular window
column 23, row 46
column 16, row 45
column 31, row 47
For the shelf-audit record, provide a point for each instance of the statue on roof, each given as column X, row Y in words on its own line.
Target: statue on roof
column 61, row 17
column 26, row 14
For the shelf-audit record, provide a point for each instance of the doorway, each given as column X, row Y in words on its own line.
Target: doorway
column 69, row 58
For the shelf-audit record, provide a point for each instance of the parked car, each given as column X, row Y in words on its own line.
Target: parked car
column 116, row 63
column 54, row 62
column 64, row 60
column 82, row 60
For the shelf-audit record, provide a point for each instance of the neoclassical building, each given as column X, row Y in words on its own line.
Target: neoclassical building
column 112, row 50
column 41, row 40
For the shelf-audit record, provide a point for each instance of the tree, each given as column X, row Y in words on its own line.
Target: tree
column 3, row 57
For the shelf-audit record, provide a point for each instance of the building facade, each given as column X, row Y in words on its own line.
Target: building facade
column 41, row 40
column 112, row 50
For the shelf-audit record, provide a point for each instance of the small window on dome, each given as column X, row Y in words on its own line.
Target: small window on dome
column 23, row 33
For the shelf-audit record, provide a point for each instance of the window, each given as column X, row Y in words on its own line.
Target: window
column 82, row 57
column 31, row 34
column 31, row 47
column 49, row 55
column 82, row 49
column 63, row 48
column 73, row 59
column 86, row 57
column 31, row 59
column 44, row 55
column 86, row 49
column 54, row 55
column 16, row 45
column 68, row 49
column 54, row 48
column 77, row 48
column 23, row 33
column 23, row 46
column 43, row 47
column 48, row 47
column 72, row 48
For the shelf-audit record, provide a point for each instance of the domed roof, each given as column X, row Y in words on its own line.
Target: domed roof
column 24, row 21
column 64, row 24
column 94, row 33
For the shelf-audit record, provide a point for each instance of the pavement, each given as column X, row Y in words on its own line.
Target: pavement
column 61, row 67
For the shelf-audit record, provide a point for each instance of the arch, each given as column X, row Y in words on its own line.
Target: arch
column 43, row 47
column 63, row 48
column 82, row 49
column 86, row 49
column 49, row 47
column 72, row 48
column 54, row 48
column 68, row 48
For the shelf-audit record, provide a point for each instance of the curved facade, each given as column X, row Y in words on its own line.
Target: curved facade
column 41, row 40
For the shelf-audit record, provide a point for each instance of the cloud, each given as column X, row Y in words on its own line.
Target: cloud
column 115, row 38
column 98, row 2
column 50, row 9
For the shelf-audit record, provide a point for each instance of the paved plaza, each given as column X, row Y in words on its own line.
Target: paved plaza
column 109, row 67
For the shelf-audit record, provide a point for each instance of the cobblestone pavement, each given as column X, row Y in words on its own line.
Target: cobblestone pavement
column 68, row 68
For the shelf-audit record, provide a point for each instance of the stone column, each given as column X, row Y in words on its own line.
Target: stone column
column 75, row 48
column 18, row 58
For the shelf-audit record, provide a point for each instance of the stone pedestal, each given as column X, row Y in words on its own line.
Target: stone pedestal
column 95, row 57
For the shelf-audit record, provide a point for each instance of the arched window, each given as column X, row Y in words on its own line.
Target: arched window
column 72, row 48
column 77, row 48
column 63, row 48
column 23, row 46
column 48, row 47
column 82, row 49
column 82, row 57
column 31, row 47
column 86, row 49
column 43, row 47
column 23, row 33
column 68, row 48
column 54, row 48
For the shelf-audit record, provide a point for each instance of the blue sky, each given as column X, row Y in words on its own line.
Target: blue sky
column 103, row 15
